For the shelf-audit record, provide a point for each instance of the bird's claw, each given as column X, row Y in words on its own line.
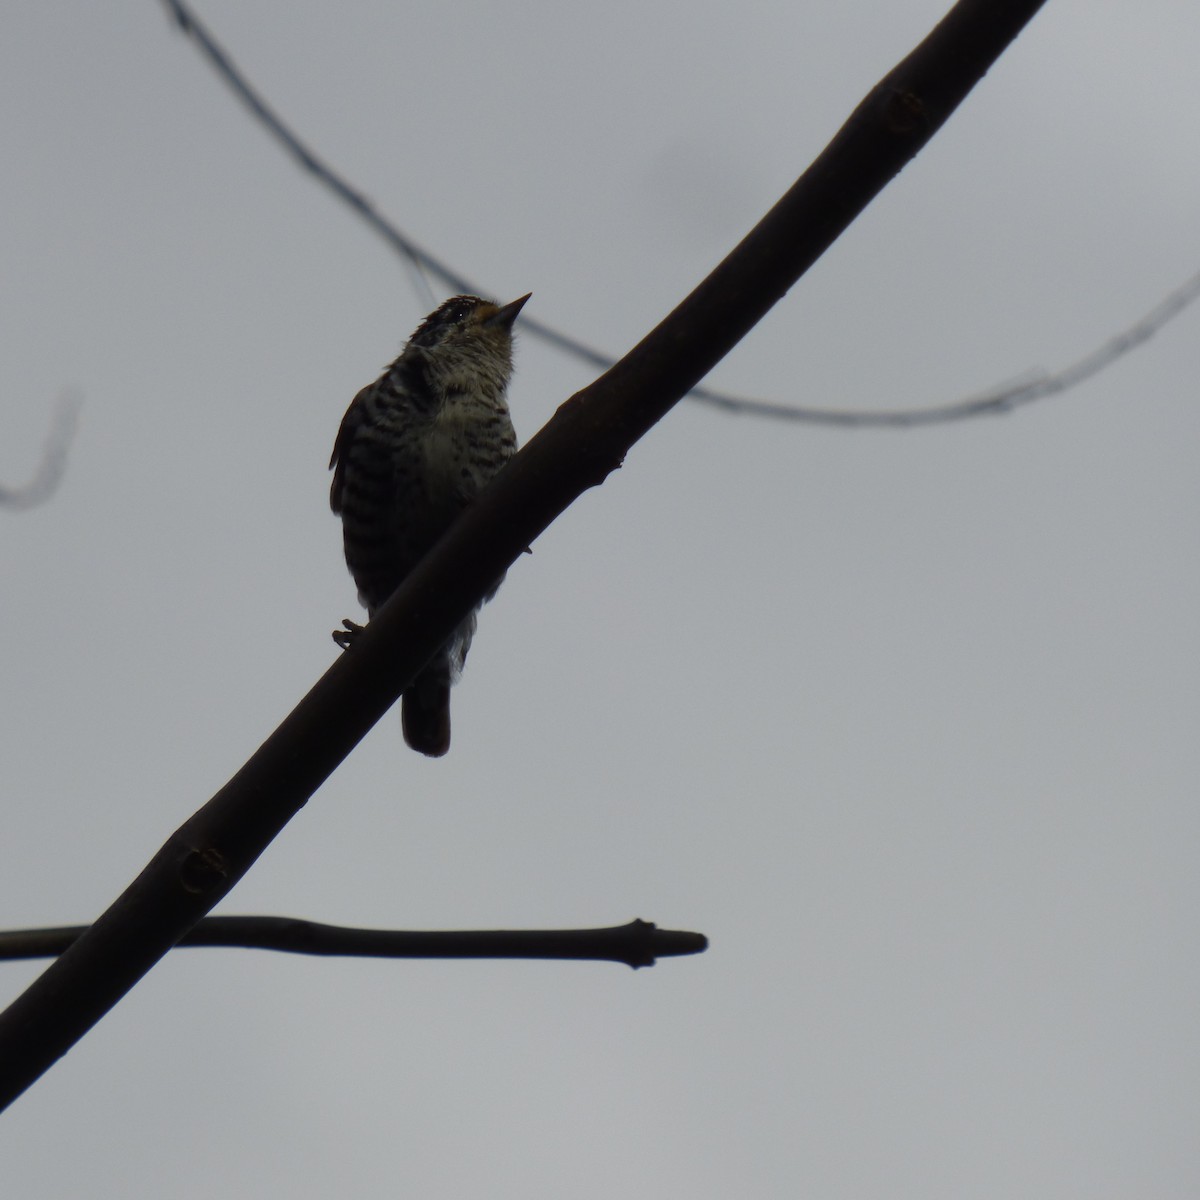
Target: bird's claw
column 344, row 637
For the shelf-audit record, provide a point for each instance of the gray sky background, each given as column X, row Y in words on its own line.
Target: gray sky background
column 904, row 721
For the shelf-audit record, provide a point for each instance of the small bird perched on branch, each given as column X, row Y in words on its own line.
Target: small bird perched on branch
column 414, row 448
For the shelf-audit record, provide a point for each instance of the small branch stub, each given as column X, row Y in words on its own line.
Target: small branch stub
column 203, row 870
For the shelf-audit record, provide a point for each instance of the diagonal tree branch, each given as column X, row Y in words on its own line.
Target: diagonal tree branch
column 638, row 944
column 1033, row 385
column 586, row 439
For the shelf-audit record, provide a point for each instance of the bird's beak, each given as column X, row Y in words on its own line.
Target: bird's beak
column 505, row 316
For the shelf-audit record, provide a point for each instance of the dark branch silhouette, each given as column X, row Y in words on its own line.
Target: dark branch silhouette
column 50, row 469
column 638, row 944
column 586, row 439
column 1032, row 385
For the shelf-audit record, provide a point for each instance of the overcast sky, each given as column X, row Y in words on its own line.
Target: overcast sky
column 905, row 722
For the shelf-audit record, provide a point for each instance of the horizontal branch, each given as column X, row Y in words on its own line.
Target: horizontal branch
column 638, row 944
column 585, row 440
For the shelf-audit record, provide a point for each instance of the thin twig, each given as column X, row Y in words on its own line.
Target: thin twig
column 638, row 944
column 53, row 462
column 1033, row 385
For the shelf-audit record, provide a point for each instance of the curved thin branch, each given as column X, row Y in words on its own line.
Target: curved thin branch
column 53, row 462
column 1033, row 385
column 416, row 258
column 638, row 944
column 585, row 440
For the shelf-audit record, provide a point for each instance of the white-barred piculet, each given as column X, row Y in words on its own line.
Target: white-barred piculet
column 414, row 448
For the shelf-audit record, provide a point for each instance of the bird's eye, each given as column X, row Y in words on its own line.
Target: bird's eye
column 443, row 321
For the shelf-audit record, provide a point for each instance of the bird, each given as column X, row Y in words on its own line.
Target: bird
column 413, row 450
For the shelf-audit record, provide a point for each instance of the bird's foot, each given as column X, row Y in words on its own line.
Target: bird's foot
column 344, row 637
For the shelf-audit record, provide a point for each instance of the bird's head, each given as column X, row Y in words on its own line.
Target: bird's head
column 469, row 324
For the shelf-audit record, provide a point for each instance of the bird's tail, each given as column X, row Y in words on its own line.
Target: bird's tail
column 425, row 709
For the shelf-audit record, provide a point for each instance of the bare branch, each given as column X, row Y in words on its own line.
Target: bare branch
column 417, row 259
column 585, row 440
column 1032, row 385
column 638, row 944
column 53, row 463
